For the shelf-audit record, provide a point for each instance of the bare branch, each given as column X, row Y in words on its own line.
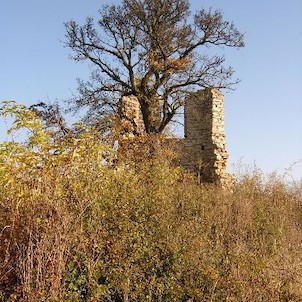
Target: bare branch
column 149, row 48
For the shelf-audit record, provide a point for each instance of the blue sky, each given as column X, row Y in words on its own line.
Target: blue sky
column 263, row 115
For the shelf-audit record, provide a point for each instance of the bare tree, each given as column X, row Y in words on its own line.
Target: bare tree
column 155, row 50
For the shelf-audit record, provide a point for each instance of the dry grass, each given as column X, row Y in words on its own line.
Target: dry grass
column 72, row 229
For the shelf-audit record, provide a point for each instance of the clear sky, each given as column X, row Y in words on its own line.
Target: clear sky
column 263, row 115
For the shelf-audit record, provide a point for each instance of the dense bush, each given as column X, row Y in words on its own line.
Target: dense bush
column 73, row 228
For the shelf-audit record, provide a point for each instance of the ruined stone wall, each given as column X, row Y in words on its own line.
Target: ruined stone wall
column 205, row 144
column 130, row 117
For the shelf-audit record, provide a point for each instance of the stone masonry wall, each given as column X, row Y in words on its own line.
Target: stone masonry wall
column 130, row 115
column 205, row 144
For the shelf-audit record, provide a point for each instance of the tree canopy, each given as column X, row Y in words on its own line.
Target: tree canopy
column 156, row 50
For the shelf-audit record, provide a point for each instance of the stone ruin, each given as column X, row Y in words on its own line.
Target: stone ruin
column 204, row 145
column 130, row 116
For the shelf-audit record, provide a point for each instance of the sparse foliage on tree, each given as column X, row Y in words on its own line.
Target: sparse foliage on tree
column 156, row 50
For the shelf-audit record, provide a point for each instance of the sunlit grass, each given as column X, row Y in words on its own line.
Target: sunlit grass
column 75, row 229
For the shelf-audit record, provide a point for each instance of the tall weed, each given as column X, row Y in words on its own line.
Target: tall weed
column 74, row 228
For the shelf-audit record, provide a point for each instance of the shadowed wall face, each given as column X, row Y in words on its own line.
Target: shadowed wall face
column 205, row 143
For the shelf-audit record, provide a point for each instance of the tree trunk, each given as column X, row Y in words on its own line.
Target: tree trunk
column 151, row 112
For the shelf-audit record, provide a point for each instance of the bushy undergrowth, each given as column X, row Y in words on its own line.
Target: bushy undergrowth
column 75, row 229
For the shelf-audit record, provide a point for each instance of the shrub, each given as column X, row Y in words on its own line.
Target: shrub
column 74, row 228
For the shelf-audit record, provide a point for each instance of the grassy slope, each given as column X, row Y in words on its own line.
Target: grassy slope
column 72, row 229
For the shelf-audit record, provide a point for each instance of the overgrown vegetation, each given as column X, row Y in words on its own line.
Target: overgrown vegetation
column 73, row 228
